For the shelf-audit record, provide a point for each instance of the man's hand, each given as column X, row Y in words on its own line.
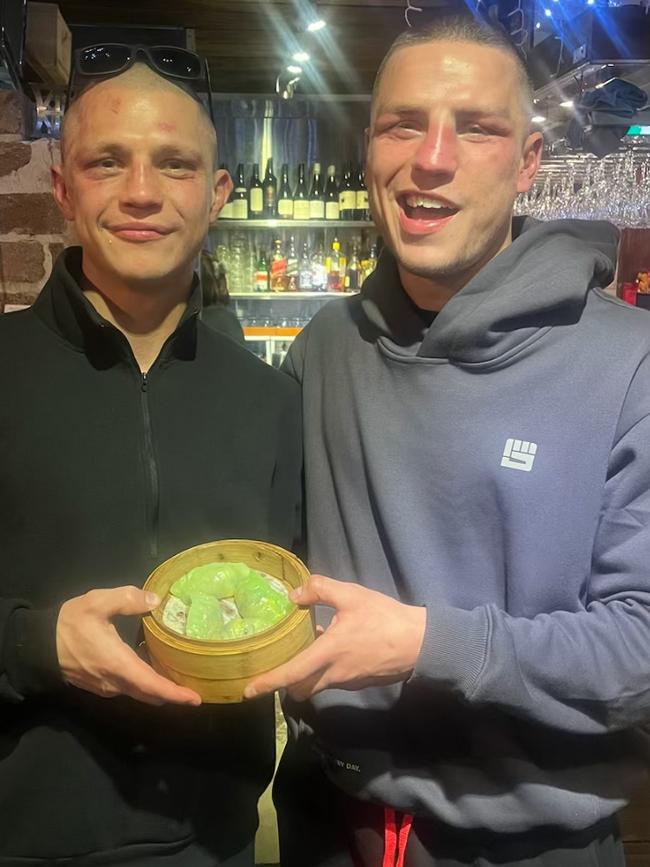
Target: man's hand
column 372, row 640
column 93, row 657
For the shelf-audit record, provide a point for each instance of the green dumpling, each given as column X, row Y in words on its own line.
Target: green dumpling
column 213, row 579
column 242, row 627
column 204, row 618
column 256, row 598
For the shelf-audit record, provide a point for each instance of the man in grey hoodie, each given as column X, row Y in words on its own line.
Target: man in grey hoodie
column 478, row 480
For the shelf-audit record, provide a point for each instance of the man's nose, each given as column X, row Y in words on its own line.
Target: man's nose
column 142, row 188
column 438, row 150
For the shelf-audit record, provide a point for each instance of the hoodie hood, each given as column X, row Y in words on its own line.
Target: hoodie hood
column 540, row 280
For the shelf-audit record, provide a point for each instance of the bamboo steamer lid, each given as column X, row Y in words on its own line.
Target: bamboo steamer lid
column 220, row 670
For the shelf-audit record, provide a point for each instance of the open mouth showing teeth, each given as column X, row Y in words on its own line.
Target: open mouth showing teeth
column 421, row 208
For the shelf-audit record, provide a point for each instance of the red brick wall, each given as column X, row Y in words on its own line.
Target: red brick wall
column 31, row 227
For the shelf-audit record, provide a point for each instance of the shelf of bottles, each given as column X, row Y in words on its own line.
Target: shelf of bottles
column 292, row 247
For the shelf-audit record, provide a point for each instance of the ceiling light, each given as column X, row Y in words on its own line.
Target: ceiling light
column 538, row 26
column 568, row 103
column 548, row 13
column 538, row 118
column 316, row 25
column 294, row 70
column 301, row 56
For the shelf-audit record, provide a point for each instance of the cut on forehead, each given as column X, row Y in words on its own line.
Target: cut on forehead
column 461, row 29
column 139, row 79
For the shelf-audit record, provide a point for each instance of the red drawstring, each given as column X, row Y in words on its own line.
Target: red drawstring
column 395, row 839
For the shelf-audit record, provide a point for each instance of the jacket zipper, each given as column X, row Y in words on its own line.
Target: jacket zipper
column 152, row 469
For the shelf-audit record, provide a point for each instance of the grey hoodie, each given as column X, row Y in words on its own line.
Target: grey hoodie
column 494, row 468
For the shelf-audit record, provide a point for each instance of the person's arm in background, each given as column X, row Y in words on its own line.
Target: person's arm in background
column 586, row 671
column 286, row 487
column 43, row 650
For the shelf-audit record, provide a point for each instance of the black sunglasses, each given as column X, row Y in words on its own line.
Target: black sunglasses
column 109, row 59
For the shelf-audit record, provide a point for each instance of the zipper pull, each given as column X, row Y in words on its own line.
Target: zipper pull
column 144, row 382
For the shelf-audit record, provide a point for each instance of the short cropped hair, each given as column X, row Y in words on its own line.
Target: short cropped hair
column 463, row 28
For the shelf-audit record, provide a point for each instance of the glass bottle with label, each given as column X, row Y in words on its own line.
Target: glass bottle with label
column 270, row 192
column 240, row 195
column 353, row 271
column 292, row 266
column 318, row 271
column 316, row 197
column 278, row 279
column 255, row 195
column 347, row 196
column 331, row 195
column 305, row 276
column 335, row 268
column 262, row 273
column 301, row 208
column 362, row 210
column 285, row 199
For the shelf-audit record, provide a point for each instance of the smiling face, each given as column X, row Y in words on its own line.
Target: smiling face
column 138, row 181
column 448, row 152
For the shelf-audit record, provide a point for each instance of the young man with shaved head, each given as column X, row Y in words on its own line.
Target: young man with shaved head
column 476, row 428
column 130, row 431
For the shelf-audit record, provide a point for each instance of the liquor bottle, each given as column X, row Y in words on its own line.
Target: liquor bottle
column 316, row 197
column 240, row 195
column 318, row 271
column 347, row 196
column 278, row 268
column 353, row 271
column 372, row 262
column 301, row 209
column 362, row 210
column 226, row 212
column 331, row 195
column 335, row 269
column 262, row 273
column 285, row 199
column 255, row 195
column 305, row 275
column 292, row 266
column 270, row 192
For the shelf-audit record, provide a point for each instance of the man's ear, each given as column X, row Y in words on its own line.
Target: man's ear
column 530, row 160
column 60, row 192
column 222, row 187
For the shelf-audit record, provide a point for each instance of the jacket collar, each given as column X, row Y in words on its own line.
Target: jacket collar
column 64, row 308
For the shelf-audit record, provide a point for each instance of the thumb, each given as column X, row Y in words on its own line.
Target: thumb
column 323, row 590
column 123, row 600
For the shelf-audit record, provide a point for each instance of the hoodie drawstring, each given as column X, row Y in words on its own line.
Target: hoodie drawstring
column 395, row 837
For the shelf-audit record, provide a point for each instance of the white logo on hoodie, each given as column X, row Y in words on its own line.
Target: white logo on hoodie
column 519, row 455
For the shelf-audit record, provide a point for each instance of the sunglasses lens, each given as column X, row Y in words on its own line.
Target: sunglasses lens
column 176, row 62
column 103, row 59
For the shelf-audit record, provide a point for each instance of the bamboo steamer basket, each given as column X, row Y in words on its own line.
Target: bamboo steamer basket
column 220, row 670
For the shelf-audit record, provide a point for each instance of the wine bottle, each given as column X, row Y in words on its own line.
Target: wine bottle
column 262, row 273
column 316, row 197
column 305, row 274
column 278, row 268
column 292, row 266
column 347, row 196
column 270, row 191
column 285, row 199
column 301, row 210
column 240, row 195
column 362, row 210
column 255, row 195
column 331, row 195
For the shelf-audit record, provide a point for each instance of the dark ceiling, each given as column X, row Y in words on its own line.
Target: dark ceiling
column 249, row 42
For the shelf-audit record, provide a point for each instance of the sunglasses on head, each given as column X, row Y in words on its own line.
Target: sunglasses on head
column 113, row 58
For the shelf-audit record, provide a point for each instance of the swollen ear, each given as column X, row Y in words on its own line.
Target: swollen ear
column 530, row 161
column 60, row 192
column 221, row 190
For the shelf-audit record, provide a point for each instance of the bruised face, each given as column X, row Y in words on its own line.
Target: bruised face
column 138, row 181
column 448, row 153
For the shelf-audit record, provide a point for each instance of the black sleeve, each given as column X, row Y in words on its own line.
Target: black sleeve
column 286, row 486
column 28, row 657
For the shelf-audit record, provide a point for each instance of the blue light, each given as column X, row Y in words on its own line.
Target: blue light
column 538, row 26
column 548, row 13
column 590, row 2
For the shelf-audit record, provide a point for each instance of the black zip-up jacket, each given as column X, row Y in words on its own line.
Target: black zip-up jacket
column 104, row 473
